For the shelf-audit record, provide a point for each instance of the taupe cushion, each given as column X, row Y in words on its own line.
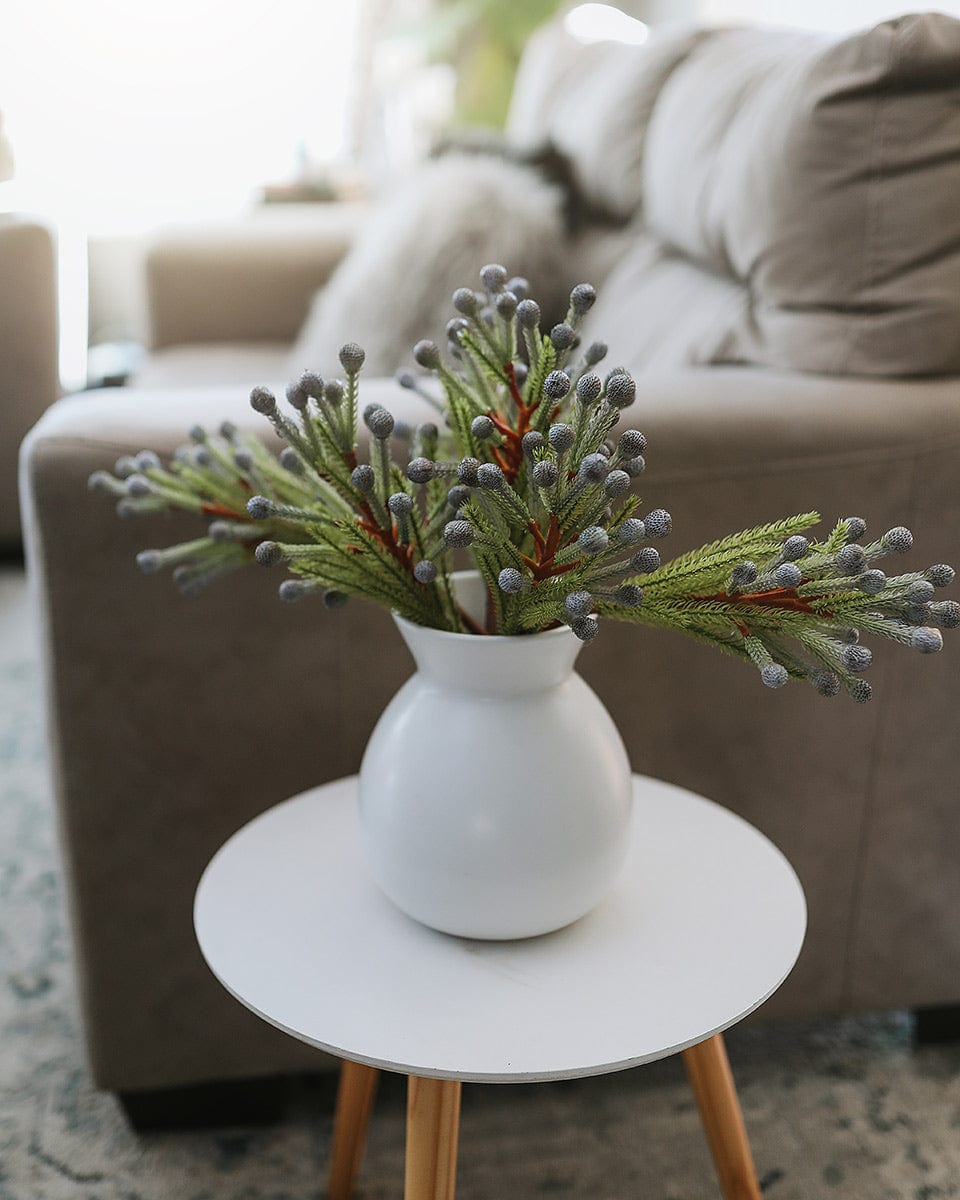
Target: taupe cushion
column 593, row 102
column 825, row 175
column 659, row 310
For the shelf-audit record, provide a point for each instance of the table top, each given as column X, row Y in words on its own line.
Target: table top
column 704, row 923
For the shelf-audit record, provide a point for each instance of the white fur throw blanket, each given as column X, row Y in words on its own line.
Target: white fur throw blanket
column 432, row 236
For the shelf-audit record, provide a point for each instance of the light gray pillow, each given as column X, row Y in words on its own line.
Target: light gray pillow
column 824, row 176
column 593, row 102
column 432, row 236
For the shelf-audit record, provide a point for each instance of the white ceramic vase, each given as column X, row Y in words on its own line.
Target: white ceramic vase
column 495, row 791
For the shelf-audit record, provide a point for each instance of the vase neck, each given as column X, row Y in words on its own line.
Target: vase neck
column 501, row 666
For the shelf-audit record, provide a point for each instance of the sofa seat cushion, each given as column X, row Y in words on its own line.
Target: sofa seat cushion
column 824, row 175
column 240, row 363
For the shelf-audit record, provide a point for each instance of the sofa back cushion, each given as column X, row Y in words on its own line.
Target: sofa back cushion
column 593, row 103
column 824, row 176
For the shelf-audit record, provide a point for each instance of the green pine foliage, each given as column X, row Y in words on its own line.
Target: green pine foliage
column 526, row 478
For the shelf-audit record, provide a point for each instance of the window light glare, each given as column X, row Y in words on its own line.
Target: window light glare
column 604, row 23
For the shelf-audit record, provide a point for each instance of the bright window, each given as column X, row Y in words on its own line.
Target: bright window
column 126, row 112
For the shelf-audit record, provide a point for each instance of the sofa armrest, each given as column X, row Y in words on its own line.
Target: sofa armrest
column 172, row 722
column 247, row 280
column 29, row 371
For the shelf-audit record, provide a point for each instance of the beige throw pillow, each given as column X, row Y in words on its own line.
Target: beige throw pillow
column 430, row 237
column 824, row 175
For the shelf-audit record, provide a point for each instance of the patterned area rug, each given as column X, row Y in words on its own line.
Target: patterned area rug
column 834, row 1108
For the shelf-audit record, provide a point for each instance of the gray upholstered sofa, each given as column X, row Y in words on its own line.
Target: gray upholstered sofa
column 789, row 295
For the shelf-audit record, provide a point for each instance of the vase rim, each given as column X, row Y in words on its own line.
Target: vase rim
column 485, row 637
column 469, row 573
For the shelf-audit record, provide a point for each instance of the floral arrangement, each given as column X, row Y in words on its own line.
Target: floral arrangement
column 525, row 474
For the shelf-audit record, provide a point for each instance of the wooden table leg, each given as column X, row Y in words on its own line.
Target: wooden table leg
column 713, row 1086
column 433, row 1126
column 355, row 1096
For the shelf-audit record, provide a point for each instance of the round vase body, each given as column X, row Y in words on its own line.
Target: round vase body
column 495, row 791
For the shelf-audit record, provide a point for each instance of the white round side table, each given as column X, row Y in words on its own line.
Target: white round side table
column 705, row 922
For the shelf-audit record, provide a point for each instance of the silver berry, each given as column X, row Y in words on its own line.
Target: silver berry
column 506, row 304
column 927, row 640
column 352, row 357
column 333, row 391
column 658, row 523
column 946, row 614
column 511, row 581
column 379, row 421
column 545, row 473
column 616, row 484
column 632, row 442
column 149, row 561
column 556, row 385
column 467, row 471
column 898, row 540
column 594, row 467
column 630, row 594
column 262, row 400
column 631, row 531
column 940, row 575
column 872, row 582
column 297, row 396
column 532, row 442
column 850, row 559
column 465, row 301
column 774, row 675
column 458, row 534
column 593, row 540
column 743, row 574
column 827, row 683
column 426, row 354
column 363, row 478
column 645, row 560
column 493, row 277
column 582, row 298
column 787, row 575
column 856, row 658
column 578, row 604
column 490, row 476
column 561, row 437
column 458, row 495
column 621, row 391
column 589, row 388
column 259, row 507
column 528, row 314
column 400, row 504
column 420, row 470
